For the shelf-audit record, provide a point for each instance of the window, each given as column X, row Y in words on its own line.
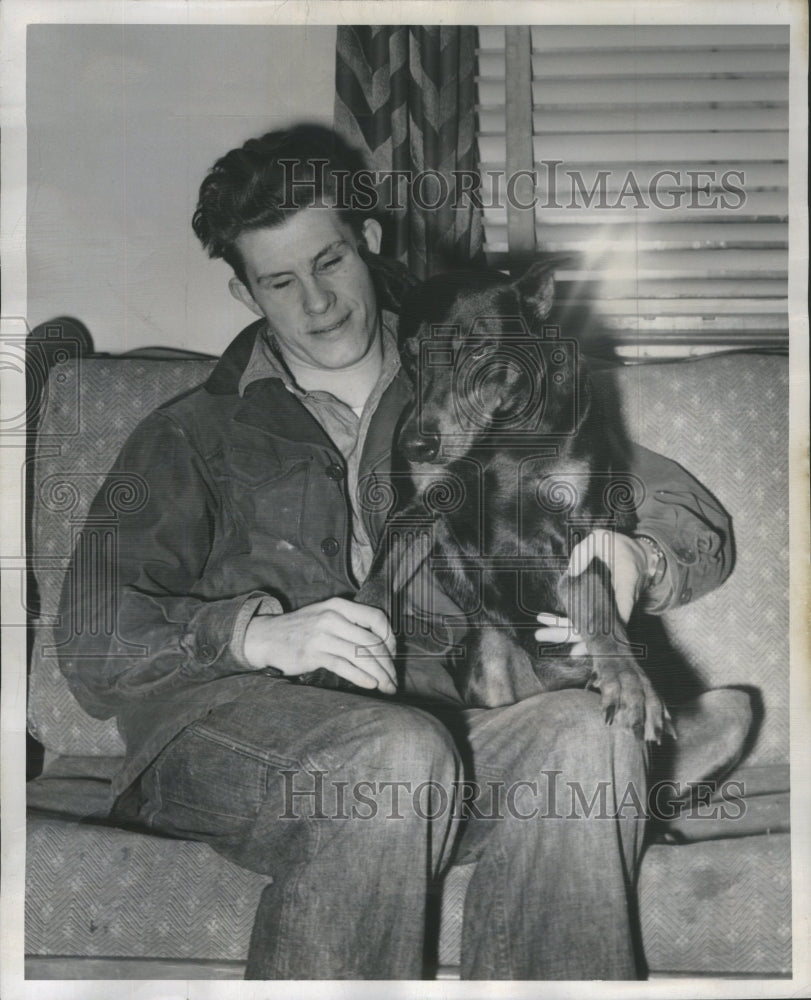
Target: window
column 660, row 168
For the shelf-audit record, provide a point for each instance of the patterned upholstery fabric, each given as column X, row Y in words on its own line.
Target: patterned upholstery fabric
column 454, row 890
column 718, row 907
column 92, row 405
column 725, row 420
column 99, row 891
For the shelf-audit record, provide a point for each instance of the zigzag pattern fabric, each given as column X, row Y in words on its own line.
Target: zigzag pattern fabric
column 95, row 891
column 405, row 96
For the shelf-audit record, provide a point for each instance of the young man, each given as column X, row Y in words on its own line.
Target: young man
column 236, row 576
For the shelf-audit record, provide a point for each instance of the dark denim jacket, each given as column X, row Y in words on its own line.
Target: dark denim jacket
column 246, row 506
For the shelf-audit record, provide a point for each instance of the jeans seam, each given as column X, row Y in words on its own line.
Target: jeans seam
column 247, row 749
column 155, row 801
column 500, row 913
column 290, row 885
column 495, row 862
column 281, row 960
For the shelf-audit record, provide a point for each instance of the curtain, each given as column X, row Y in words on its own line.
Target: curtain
column 405, row 96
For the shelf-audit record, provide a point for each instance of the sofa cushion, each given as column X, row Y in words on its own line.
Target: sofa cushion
column 98, row 891
column 718, row 907
column 725, row 419
column 91, row 406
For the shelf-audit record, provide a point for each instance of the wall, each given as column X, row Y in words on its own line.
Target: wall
column 123, row 123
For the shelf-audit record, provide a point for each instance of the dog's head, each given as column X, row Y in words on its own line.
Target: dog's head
column 486, row 368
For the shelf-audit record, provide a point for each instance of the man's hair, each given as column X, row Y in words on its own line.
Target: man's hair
column 267, row 180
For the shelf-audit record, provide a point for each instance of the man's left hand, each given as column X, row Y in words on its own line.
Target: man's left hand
column 627, row 560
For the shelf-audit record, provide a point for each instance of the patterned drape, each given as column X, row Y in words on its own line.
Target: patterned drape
column 405, row 97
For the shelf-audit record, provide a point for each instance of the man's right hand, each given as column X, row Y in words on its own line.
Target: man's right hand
column 352, row 640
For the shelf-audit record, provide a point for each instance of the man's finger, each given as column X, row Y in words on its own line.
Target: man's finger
column 556, row 629
column 554, row 635
column 586, row 550
column 380, row 667
column 374, row 659
column 345, row 668
column 547, row 618
column 366, row 641
column 370, row 618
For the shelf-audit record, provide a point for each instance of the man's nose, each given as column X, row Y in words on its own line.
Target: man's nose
column 317, row 298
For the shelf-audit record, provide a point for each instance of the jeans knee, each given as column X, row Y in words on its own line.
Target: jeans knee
column 413, row 743
column 602, row 747
column 585, row 745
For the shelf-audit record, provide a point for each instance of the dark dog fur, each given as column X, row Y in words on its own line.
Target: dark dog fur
column 504, row 422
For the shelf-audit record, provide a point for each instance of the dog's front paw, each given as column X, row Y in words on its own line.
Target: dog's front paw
column 628, row 698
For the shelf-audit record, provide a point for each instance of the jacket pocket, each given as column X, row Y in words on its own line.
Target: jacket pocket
column 268, row 498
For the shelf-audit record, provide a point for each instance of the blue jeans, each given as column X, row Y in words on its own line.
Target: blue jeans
column 356, row 805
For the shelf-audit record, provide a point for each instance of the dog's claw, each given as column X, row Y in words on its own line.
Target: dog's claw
column 630, row 701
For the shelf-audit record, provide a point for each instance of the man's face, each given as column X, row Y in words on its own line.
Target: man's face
column 308, row 280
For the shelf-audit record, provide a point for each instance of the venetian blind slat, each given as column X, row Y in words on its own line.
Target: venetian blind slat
column 660, row 167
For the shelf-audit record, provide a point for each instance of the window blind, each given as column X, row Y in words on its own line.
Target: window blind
column 660, row 169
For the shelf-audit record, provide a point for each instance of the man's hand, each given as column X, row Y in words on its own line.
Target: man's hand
column 627, row 560
column 352, row 640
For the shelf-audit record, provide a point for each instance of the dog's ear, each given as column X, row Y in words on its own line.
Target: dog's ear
column 536, row 286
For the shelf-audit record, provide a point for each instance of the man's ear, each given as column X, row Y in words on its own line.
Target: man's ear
column 372, row 234
column 242, row 294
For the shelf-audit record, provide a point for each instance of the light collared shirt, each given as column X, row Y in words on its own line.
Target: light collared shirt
column 345, row 428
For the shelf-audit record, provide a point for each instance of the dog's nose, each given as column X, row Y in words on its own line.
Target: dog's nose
column 424, row 448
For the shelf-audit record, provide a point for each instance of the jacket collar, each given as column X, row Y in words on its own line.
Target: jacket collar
column 265, row 360
column 224, row 380
column 266, row 405
column 270, row 407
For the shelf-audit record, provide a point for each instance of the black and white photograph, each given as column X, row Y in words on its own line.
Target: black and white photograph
column 405, row 535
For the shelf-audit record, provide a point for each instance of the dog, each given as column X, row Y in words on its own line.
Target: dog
column 510, row 465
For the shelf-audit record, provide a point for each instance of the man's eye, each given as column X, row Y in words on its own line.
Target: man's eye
column 277, row 286
column 330, row 262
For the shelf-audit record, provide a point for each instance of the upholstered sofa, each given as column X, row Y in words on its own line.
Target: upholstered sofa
column 715, row 894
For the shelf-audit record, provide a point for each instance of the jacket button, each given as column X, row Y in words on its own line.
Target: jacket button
column 686, row 594
column 335, row 471
column 207, row 653
column 330, row 546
